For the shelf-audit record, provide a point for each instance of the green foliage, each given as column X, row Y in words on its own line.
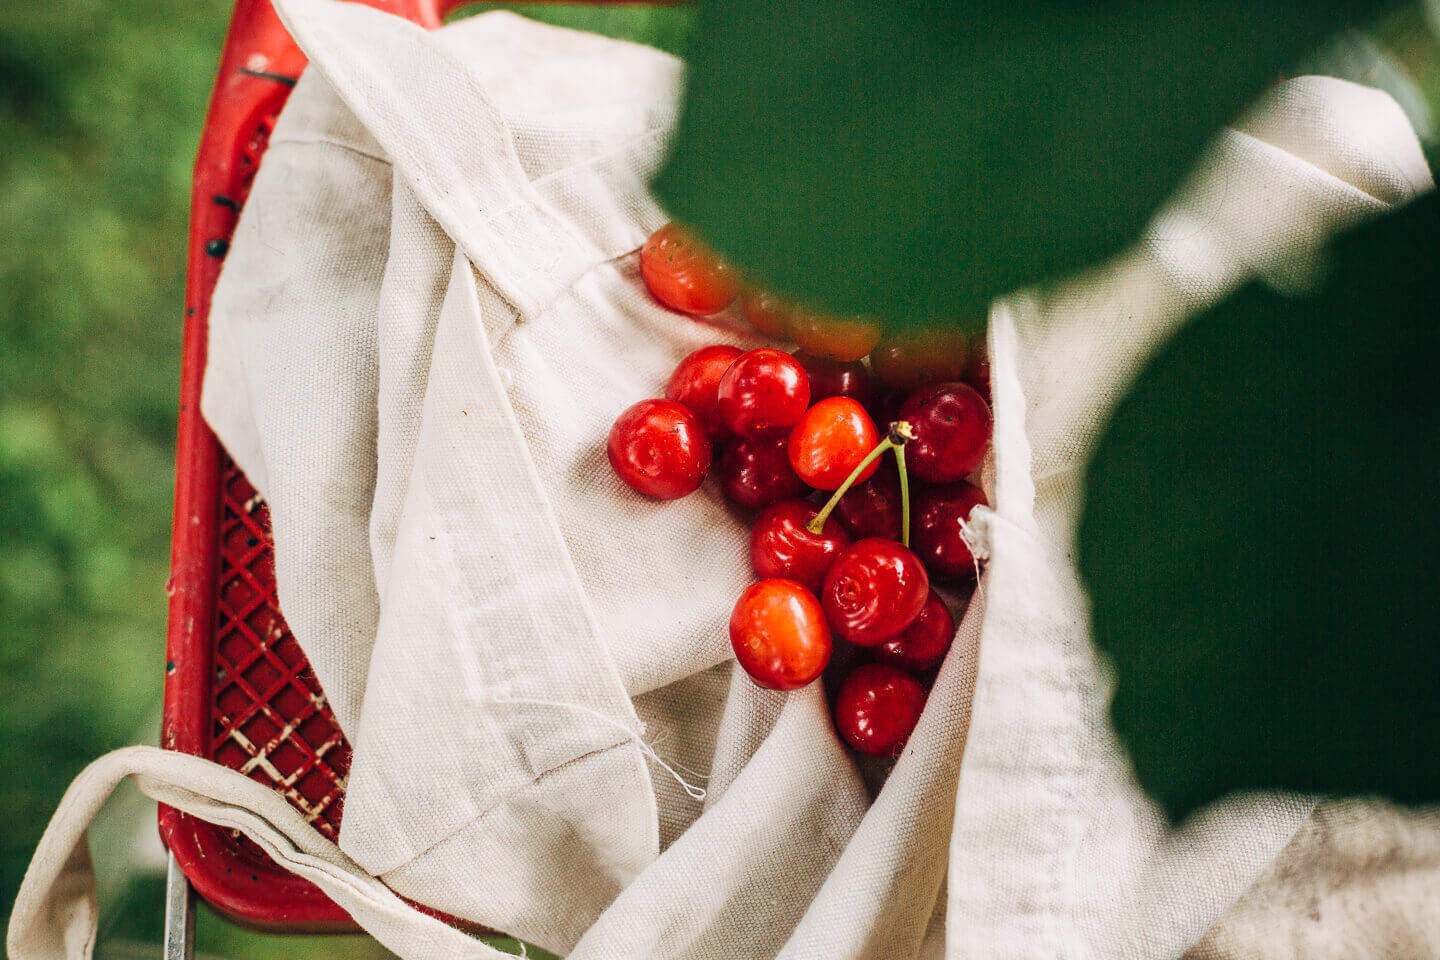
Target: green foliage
column 1261, row 537
column 914, row 160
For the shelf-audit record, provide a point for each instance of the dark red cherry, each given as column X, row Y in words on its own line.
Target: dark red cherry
column 757, row 473
column 877, row 709
column 659, row 448
column 779, row 635
column 696, row 381
column 977, row 371
column 872, row 508
column 763, row 393
column 952, row 429
column 936, row 530
column 924, row 643
column 874, row 590
column 906, row 359
column 831, row 378
column 780, row 546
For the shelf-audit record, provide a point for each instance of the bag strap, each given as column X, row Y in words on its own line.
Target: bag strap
column 55, row 916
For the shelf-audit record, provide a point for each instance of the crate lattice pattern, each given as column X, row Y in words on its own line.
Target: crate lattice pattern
column 271, row 720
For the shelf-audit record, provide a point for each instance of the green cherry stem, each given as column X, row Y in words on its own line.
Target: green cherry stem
column 900, row 432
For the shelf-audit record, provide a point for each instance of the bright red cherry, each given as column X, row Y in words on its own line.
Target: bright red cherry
column 766, row 314
column 684, row 274
column 831, row 378
column 830, row 441
column 779, row 634
column 924, row 643
column 906, row 360
column 835, row 338
column 872, row 508
column 877, row 709
column 780, row 546
column 763, row 393
column 757, row 473
column 659, row 448
column 952, row 429
column 696, row 380
column 874, row 590
column 936, row 533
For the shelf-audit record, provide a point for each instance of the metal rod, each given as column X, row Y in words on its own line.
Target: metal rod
column 179, row 914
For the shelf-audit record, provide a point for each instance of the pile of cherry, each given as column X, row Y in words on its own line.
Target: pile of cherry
column 859, row 564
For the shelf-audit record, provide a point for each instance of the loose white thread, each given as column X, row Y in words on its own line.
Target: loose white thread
column 696, row 793
column 976, row 537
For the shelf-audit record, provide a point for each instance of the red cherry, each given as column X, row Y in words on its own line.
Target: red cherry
column 977, row 372
column 659, row 448
column 874, row 590
column 872, row 508
column 924, row 643
column 831, row 378
column 780, row 546
column 835, row 338
column 766, row 314
column 763, row 393
column 952, row 429
column 757, row 473
column 779, row 634
column 936, row 532
column 909, row 359
column 696, row 380
column 684, row 274
column 830, row 441
column 878, row 708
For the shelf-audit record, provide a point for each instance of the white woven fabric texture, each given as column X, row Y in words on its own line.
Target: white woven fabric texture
column 429, row 316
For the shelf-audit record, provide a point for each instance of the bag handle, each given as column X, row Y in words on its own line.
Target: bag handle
column 55, row 916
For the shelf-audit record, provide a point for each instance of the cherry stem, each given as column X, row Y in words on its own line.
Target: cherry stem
column 900, row 432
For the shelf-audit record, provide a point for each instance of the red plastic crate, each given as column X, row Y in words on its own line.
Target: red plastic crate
column 238, row 689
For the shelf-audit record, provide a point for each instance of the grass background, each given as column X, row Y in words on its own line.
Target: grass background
column 101, row 104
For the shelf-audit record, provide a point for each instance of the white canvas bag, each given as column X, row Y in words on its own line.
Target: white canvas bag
column 430, row 314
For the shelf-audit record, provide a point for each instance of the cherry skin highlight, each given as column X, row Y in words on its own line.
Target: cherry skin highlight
column 877, row 709
column 872, row 508
column 697, row 379
column 779, row 635
column 684, row 274
column 659, row 448
column 937, row 533
column 922, row 645
column 831, row 378
column 780, row 546
column 756, row 473
column 874, row 590
column 762, row 394
column 830, row 441
column 952, row 429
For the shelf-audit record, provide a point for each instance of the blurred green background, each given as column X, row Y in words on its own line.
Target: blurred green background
column 101, row 104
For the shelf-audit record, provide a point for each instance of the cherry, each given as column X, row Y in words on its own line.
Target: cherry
column 766, row 313
column 872, row 508
column 877, row 709
column 763, row 393
column 835, row 338
column 780, row 546
column 940, row 512
column 830, row 441
column 952, row 428
column 684, row 274
column 757, row 473
column 659, row 448
column 906, row 360
column 977, row 372
column 831, row 378
column 779, row 634
column 874, row 590
column 924, row 643
column 696, row 379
